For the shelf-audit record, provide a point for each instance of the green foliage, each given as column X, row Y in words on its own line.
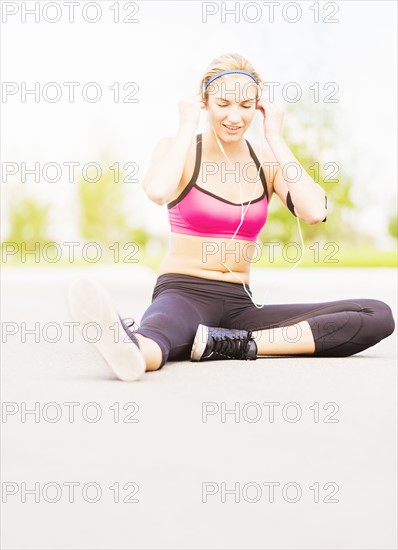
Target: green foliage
column 101, row 209
column 393, row 226
column 103, row 218
column 139, row 236
column 28, row 221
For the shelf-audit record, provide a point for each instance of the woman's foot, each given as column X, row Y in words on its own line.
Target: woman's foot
column 90, row 303
column 217, row 343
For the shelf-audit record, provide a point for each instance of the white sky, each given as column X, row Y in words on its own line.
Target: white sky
column 165, row 53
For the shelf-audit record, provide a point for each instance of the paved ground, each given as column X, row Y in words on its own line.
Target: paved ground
column 319, row 474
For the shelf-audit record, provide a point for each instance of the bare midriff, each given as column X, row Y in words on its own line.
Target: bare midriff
column 204, row 257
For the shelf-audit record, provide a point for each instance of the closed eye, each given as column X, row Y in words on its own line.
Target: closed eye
column 244, row 106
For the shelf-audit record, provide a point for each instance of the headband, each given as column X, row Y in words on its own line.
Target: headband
column 229, row 72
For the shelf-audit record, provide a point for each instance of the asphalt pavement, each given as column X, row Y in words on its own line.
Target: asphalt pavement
column 278, row 453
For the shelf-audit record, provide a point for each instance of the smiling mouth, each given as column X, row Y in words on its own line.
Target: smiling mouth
column 232, row 127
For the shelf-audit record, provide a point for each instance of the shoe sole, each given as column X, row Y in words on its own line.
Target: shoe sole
column 89, row 303
column 199, row 343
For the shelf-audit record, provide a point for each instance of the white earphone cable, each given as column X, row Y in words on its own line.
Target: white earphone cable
column 243, row 213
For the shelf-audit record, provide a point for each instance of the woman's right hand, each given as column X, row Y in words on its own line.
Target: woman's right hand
column 189, row 109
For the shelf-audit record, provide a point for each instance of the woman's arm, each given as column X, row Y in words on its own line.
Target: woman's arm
column 167, row 165
column 169, row 156
column 308, row 197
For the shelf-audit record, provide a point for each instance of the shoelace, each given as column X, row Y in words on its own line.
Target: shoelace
column 128, row 323
column 231, row 346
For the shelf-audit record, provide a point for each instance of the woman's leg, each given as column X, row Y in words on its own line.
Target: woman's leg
column 295, row 339
column 331, row 329
column 180, row 303
column 167, row 329
column 151, row 351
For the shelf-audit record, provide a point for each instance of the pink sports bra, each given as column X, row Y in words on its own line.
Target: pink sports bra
column 199, row 212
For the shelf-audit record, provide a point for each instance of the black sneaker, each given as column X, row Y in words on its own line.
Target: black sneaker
column 216, row 343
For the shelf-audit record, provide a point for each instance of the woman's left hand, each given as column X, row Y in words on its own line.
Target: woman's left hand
column 273, row 116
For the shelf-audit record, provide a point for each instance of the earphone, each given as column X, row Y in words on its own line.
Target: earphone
column 243, row 213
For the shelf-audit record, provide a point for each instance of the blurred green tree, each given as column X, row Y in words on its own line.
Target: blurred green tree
column 393, row 226
column 102, row 216
column 28, row 224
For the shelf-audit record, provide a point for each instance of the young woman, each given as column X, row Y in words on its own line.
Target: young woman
column 217, row 192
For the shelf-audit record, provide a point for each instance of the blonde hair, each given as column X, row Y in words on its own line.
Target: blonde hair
column 227, row 62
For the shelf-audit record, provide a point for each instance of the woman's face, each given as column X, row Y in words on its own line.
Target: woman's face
column 231, row 105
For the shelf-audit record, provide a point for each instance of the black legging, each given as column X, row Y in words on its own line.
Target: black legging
column 181, row 302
